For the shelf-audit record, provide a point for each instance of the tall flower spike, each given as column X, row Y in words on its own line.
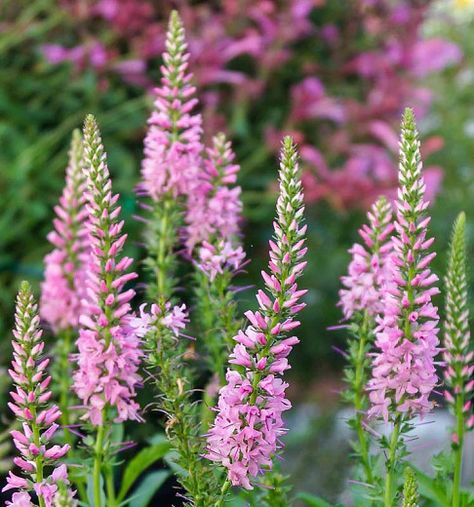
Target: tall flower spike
column 108, row 348
column 458, row 357
column 403, row 374
column 38, row 460
column 248, row 425
column 371, row 265
column 64, row 285
column 172, row 144
column 361, row 298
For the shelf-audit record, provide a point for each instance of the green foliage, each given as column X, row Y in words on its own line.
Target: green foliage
column 313, row 501
column 139, row 463
column 148, row 487
column 39, row 107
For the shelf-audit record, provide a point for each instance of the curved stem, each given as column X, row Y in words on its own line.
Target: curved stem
column 391, row 464
column 98, row 467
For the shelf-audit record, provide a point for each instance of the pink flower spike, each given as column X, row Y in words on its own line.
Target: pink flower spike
column 173, row 142
column 246, row 432
column 403, row 368
column 31, row 407
column 108, row 348
column 63, row 289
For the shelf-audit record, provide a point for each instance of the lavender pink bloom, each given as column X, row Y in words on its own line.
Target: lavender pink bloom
column 371, row 265
column 174, row 318
column 63, row 288
column 172, row 144
column 215, row 259
column 214, row 208
column 108, row 347
column 404, row 373
column 38, row 458
column 248, row 425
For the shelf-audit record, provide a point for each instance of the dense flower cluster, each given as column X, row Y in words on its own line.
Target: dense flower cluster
column 404, row 373
column 172, row 144
column 30, row 404
column 63, row 289
column 371, row 266
column 248, row 424
column 108, row 348
column 174, row 318
column 214, row 259
column 214, row 210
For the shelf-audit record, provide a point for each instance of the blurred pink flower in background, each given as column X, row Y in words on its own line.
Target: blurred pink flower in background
column 341, row 103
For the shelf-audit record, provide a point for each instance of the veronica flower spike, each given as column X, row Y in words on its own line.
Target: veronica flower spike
column 39, row 459
column 63, row 289
column 403, row 374
column 172, row 159
column 246, row 433
column 213, row 229
column 361, row 299
column 108, row 346
column 458, row 357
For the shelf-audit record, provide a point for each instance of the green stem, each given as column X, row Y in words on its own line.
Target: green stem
column 98, row 466
column 161, row 272
column 39, row 459
column 359, row 404
column 391, row 463
column 458, row 452
column 65, row 385
column 109, row 480
column 225, row 488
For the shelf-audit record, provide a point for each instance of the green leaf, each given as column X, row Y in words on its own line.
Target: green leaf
column 148, row 487
column 431, row 488
column 312, row 501
column 144, row 459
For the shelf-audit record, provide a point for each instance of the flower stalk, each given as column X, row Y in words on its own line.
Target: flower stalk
column 245, row 436
column 457, row 355
column 39, row 457
column 361, row 299
column 404, row 373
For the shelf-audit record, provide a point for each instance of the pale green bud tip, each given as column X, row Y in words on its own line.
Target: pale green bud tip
column 408, row 117
column 175, row 20
column 460, row 223
column 90, row 125
column 76, row 137
column 457, row 238
column 25, row 287
column 288, row 145
column 410, row 489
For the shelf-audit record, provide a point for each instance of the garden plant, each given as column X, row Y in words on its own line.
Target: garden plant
column 111, row 342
